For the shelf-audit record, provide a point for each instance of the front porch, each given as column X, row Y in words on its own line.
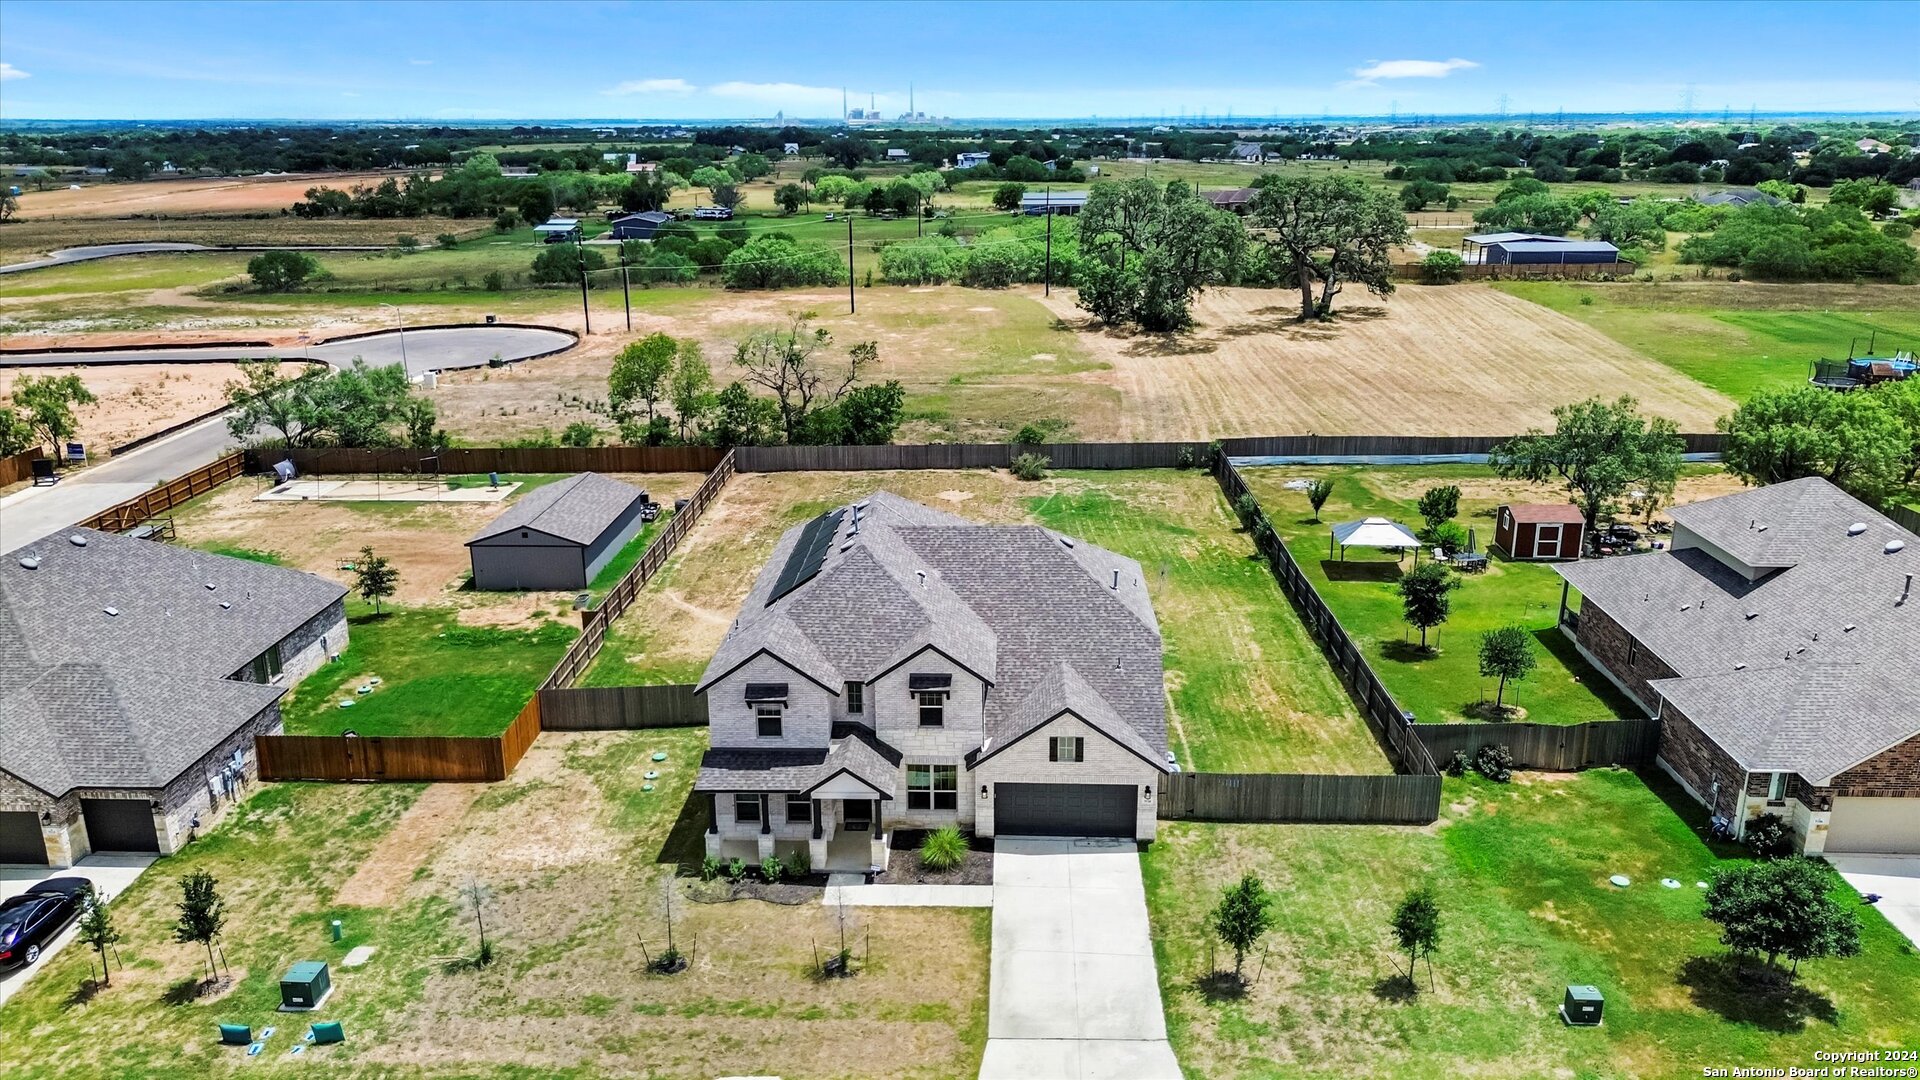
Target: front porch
column 839, row 835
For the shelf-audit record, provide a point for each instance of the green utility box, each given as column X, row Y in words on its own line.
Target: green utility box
column 1583, row 1006
column 304, row 986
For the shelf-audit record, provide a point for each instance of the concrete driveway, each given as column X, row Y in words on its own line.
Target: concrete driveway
column 1073, row 992
column 110, row 874
column 1896, row 878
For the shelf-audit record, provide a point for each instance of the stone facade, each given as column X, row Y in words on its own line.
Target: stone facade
column 805, row 723
column 895, row 714
column 1610, row 648
column 1106, row 762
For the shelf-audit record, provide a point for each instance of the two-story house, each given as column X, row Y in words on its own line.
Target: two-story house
column 1777, row 640
column 898, row 667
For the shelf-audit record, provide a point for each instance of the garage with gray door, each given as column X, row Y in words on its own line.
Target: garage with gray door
column 20, row 839
column 1874, row 826
column 1063, row 809
column 120, row 824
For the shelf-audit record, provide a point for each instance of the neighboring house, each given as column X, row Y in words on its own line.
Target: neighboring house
column 1775, row 641
column 1246, row 151
column 970, row 159
column 136, row 676
column 640, row 226
column 1038, row 203
column 637, row 167
column 897, row 154
column 1235, row 200
column 558, row 536
column 1872, row 146
column 1739, row 197
column 898, row 667
column 1532, row 532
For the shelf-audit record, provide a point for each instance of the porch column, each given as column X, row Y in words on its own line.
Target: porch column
column 817, row 833
column 876, row 819
column 877, row 846
column 713, row 813
column 766, row 813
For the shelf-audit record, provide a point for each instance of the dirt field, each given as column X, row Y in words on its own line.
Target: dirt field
column 218, row 195
column 138, row 399
column 425, row 541
column 1457, row 360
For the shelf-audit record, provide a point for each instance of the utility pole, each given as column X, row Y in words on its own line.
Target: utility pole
column 851, row 305
column 580, row 251
column 1046, row 288
column 626, row 292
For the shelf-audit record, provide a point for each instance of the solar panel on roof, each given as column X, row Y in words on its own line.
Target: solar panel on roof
column 807, row 556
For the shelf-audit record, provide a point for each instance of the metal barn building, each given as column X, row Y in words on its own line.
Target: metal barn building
column 1548, row 253
column 558, row 536
column 640, row 226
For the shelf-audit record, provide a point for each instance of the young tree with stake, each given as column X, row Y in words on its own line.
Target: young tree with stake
column 476, row 894
column 1507, row 653
column 202, row 915
column 96, row 928
column 1318, row 492
column 1416, row 927
column 1424, row 599
column 1242, row 918
column 374, row 578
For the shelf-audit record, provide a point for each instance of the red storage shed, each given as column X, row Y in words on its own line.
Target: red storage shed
column 1532, row 532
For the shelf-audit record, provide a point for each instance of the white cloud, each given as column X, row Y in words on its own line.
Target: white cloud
column 1408, row 69
column 677, row 87
column 8, row 72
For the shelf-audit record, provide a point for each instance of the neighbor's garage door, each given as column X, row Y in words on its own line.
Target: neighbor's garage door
column 1877, row 826
column 20, row 839
column 1063, row 809
column 119, row 824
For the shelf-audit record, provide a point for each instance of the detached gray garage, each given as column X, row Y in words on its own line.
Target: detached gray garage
column 1064, row 809
column 558, row 536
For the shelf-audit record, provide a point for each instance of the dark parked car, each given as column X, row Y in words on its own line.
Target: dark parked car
column 35, row 917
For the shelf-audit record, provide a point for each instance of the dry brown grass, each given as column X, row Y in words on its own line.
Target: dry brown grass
column 1458, row 360
column 137, row 399
column 215, row 195
column 31, row 237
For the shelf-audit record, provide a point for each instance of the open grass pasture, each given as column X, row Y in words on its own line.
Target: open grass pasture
column 451, row 660
column 578, row 860
column 1248, row 690
column 1521, row 875
column 1737, row 337
column 1445, row 686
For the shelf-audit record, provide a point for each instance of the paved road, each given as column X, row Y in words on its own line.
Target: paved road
column 108, row 251
column 1073, row 992
column 424, row 350
column 31, row 513
column 111, row 874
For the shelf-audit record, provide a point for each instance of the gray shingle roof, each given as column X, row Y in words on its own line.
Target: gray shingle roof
column 1064, row 690
column 1818, row 649
column 131, row 699
column 857, row 752
column 1011, row 602
column 578, row 508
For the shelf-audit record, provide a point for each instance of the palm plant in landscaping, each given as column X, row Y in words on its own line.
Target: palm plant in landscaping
column 943, row 849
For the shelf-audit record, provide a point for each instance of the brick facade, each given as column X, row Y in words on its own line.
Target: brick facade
column 1708, row 772
column 1610, row 646
column 1107, row 762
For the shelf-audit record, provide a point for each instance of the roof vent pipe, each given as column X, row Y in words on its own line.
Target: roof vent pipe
column 1116, row 579
column 923, row 577
column 1905, row 591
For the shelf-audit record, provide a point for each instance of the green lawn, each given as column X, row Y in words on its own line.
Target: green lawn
column 1521, row 875
column 1738, row 338
column 1248, row 688
column 624, row 560
column 1438, row 687
column 438, row 677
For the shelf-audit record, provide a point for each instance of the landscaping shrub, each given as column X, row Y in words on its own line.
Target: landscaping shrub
column 709, row 868
column 1247, row 507
column 772, row 869
column 1448, row 536
column 1029, row 435
column 736, row 870
column 1457, row 764
column 494, row 281
column 800, row 863
column 1442, row 267
column 943, row 849
column 1031, row 466
column 1495, row 763
column 1769, row 837
column 1184, row 459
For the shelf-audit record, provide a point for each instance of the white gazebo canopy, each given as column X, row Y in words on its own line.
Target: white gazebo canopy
column 1374, row 532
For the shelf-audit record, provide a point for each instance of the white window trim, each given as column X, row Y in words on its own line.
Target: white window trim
column 932, row 789
column 1078, row 744
column 779, row 715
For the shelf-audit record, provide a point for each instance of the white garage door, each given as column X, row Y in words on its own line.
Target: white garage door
column 1875, row 826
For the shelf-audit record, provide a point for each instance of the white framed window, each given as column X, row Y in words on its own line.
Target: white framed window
column 1067, row 748
column 767, row 717
column 933, row 787
column 933, row 708
column 856, row 698
column 799, row 809
column 1776, row 787
column 746, row 809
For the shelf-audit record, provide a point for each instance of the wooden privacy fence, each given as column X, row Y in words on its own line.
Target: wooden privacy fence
column 1906, row 517
column 20, row 466
column 594, row 623
column 618, row 708
column 1300, row 799
column 434, row 758
column 167, row 496
column 1158, row 455
column 1390, row 724
column 1365, row 446
column 1556, row 748
column 342, row 461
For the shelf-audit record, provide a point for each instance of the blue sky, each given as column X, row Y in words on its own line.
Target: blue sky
column 454, row 61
